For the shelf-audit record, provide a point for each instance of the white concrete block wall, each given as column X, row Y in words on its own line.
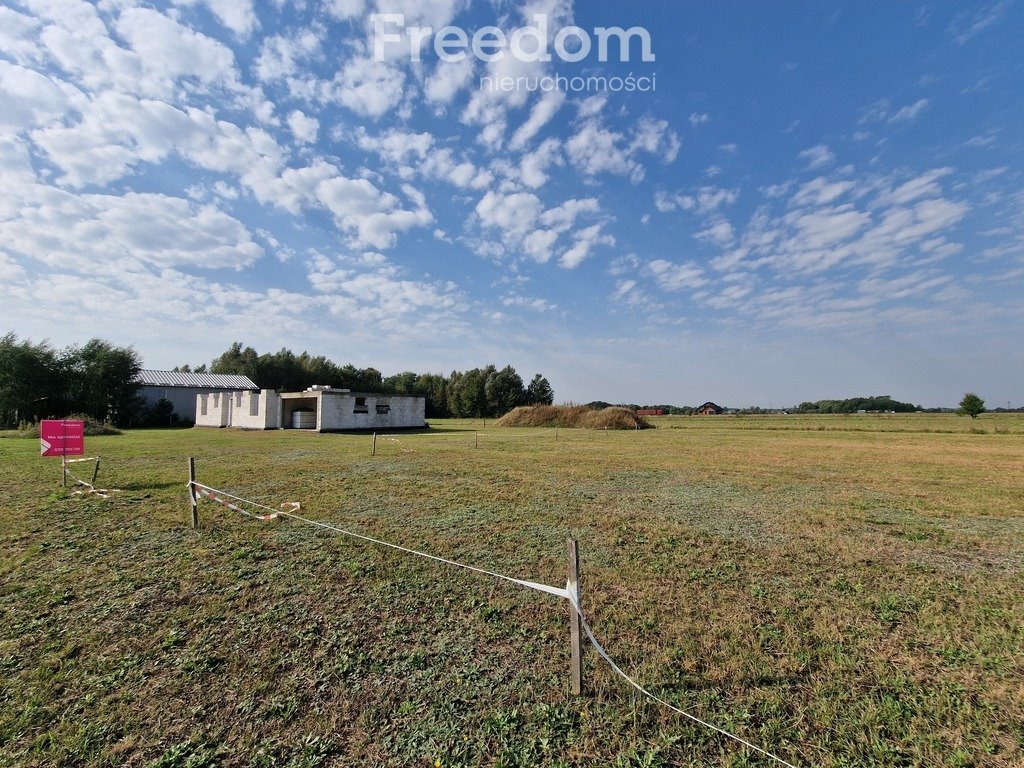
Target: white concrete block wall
column 213, row 409
column 335, row 410
column 256, row 410
column 338, row 411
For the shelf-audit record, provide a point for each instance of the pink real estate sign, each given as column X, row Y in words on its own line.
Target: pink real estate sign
column 61, row 437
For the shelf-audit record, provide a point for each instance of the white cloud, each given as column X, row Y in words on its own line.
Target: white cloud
column 533, row 166
column 282, row 56
column 236, row 15
column 303, row 127
column 369, row 88
column 31, row 98
column 820, row 191
column 373, row 217
column 527, row 228
column 968, row 24
column 536, row 304
column 345, row 9
column 817, row 156
column 585, row 241
column 448, row 79
column 97, row 232
column 175, row 51
column 704, row 201
column 10, row 272
column 514, row 213
column 381, row 294
column 540, row 115
column 881, row 111
column 909, row 112
column 596, row 149
column 720, row 231
column 699, row 118
column 671, row 276
column 18, row 35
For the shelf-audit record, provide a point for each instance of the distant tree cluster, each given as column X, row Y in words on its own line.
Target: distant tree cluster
column 38, row 381
column 287, row 372
column 854, row 404
column 480, row 392
column 670, row 410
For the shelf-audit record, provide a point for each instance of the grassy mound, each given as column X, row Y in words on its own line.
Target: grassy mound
column 572, row 417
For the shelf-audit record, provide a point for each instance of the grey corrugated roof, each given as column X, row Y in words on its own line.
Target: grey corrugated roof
column 207, row 380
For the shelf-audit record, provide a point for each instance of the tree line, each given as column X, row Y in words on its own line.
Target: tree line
column 480, row 392
column 854, row 404
column 39, row 381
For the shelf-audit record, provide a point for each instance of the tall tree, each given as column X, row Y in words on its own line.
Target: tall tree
column 504, row 391
column 539, row 392
column 32, row 381
column 106, row 378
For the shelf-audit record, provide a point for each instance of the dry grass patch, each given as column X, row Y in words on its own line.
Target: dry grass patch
column 573, row 417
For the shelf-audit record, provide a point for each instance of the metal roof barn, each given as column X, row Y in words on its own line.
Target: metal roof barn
column 181, row 388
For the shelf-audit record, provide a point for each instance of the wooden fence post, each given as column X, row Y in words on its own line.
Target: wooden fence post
column 374, row 453
column 476, row 440
column 64, row 470
column 575, row 636
column 192, row 491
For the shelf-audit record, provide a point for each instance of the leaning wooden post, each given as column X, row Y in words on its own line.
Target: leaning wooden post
column 476, row 440
column 575, row 635
column 192, row 491
column 95, row 472
column 374, row 453
column 64, row 470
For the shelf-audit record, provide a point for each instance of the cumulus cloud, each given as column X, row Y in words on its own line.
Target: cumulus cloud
column 596, row 149
column 540, row 115
column 92, row 232
column 237, row 15
column 372, row 216
column 175, row 50
column 369, row 88
column 527, row 227
column 303, row 127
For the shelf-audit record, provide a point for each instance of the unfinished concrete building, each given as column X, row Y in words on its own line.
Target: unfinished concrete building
column 318, row 409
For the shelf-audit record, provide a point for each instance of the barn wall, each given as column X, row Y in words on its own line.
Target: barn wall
column 184, row 399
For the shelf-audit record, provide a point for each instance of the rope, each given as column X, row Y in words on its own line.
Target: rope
column 568, row 593
column 604, row 655
column 90, row 489
column 208, row 492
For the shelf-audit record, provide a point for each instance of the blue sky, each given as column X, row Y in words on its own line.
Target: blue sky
column 813, row 200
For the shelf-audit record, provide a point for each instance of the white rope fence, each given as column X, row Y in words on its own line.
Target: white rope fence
column 290, row 510
column 83, row 488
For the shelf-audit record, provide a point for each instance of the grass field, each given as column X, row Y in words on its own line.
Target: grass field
column 844, row 591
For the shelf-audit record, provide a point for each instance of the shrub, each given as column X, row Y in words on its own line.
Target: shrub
column 92, row 427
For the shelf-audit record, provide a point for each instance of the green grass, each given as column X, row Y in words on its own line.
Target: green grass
column 845, row 591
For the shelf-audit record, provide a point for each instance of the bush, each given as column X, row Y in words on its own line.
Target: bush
column 573, row 417
column 93, row 427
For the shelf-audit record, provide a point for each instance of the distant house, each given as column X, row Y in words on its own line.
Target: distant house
column 709, row 409
column 650, row 412
column 181, row 388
